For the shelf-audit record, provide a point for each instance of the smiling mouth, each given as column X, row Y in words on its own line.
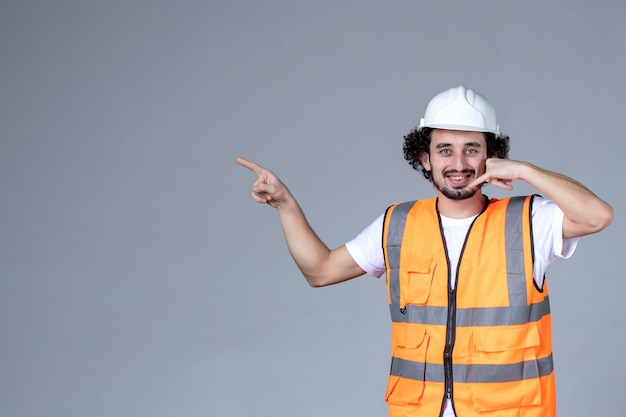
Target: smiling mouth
column 459, row 179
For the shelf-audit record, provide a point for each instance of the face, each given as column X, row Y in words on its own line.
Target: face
column 456, row 158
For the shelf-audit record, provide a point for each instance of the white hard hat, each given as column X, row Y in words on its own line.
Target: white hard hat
column 460, row 108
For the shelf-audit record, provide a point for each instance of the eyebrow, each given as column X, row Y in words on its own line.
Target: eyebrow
column 445, row 145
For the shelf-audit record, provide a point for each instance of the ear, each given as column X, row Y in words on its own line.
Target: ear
column 425, row 160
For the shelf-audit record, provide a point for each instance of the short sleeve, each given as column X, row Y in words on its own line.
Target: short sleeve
column 367, row 250
column 547, row 223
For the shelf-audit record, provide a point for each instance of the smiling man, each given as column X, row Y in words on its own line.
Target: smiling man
column 471, row 325
column 461, row 155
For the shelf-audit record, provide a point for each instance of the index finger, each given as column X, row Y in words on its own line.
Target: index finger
column 479, row 181
column 256, row 168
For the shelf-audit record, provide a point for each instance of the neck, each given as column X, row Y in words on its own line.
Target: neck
column 461, row 209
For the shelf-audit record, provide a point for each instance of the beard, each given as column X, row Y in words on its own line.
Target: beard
column 454, row 194
column 460, row 193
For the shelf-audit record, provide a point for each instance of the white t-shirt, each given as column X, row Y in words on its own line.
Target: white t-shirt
column 548, row 242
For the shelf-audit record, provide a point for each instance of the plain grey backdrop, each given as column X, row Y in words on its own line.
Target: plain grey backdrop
column 138, row 278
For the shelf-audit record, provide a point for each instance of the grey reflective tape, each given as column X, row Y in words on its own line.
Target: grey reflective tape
column 395, row 234
column 514, row 243
column 419, row 371
column 466, row 317
column 431, row 372
column 419, row 314
column 506, row 373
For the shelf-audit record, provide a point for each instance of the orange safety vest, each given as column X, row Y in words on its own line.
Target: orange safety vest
column 486, row 344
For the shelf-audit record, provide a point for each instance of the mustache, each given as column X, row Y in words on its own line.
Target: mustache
column 454, row 171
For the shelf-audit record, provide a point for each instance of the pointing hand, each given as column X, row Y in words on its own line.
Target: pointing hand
column 267, row 188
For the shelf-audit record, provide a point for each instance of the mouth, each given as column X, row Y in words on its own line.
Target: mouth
column 459, row 179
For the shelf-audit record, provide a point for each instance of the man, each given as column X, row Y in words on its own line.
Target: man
column 471, row 328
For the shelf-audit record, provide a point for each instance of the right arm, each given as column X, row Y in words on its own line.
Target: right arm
column 319, row 265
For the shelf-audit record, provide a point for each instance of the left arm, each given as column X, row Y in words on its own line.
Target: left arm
column 584, row 212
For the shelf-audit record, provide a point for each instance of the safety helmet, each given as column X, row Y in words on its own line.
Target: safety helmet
column 460, row 108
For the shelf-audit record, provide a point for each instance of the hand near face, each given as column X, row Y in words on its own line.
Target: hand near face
column 267, row 188
column 500, row 173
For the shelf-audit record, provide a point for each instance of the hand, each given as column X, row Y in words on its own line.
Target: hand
column 500, row 173
column 268, row 188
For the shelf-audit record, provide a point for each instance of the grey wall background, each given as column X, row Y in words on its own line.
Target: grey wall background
column 139, row 279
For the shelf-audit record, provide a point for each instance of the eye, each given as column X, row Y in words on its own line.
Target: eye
column 445, row 152
column 471, row 151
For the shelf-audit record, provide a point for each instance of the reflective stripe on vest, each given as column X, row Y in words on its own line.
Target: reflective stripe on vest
column 475, row 373
column 492, row 316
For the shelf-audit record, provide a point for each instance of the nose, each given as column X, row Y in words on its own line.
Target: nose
column 458, row 162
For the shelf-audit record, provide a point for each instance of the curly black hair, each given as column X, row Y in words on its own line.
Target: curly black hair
column 418, row 141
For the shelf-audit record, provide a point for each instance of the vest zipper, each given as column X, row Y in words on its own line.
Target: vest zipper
column 450, row 330
column 451, row 322
column 450, row 339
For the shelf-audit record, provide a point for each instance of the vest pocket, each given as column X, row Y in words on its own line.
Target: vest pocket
column 504, row 372
column 408, row 365
column 416, row 278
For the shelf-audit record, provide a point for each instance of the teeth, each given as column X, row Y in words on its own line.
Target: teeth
column 457, row 178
